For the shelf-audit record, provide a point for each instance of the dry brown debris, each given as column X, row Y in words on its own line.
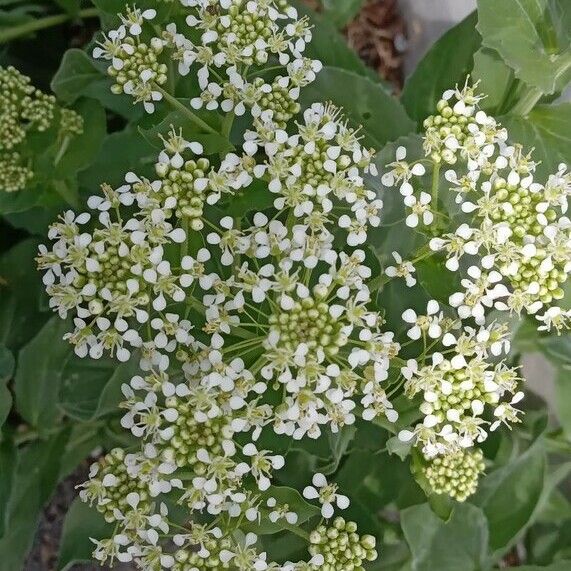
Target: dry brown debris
column 378, row 35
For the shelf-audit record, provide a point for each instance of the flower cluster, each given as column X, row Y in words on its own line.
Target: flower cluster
column 263, row 322
column 459, row 383
column 517, row 226
column 226, row 44
column 24, row 112
column 259, row 320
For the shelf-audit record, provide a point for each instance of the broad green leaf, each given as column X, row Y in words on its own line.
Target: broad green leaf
column 447, row 63
column 495, row 80
column 20, row 292
column 436, row 279
column 339, row 443
column 70, row 6
column 341, row 12
column 510, row 496
column 82, row 522
column 6, row 370
column 546, row 129
column 532, row 36
column 364, row 102
column 19, row 201
column 211, row 142
column 461, row 543
column 294, row 501
column 8, row 459
column 82, row 149
column 120, row 153
column 92, row 389
column 399, row 448
column 563, row 398
column 51, row 379
column 7, row 363
column 255, row 197
column 41, row 365
column 395, row 557
column 35, row 479
column 79, row 75
column 557, row 348
column 559, row 566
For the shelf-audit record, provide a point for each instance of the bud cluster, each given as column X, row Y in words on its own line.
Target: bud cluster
column 340, row 547
column 455, row 474
column 25, row 111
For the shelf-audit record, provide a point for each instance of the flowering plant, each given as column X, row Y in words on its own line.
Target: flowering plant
column 286, row 316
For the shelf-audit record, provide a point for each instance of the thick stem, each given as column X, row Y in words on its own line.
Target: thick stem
column 186, row 111
column 28, row 28
column 528, row 101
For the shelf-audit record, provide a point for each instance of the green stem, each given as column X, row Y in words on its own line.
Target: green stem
column 527, row 102
column 186, row 111
column 227, row 124
column 435, row 185
column 28, row 28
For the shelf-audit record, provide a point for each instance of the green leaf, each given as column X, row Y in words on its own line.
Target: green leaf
column 120, row 153
column 447, row 63
column 559, row 566
column 436, row 279
column 212, row 142
column 81, row 523
column 19, row 201
column 38, row 377
column 84, row 148
column 6, row 369
column 76, row 75
column 92, row 389
column 341, row 12
column 399, row 448
column 51, row 379
column 79, row 75
column 283, row 495
column 70, row 6
column 532, row 36
column 8, row 459
column 35, row 479
column 20, row 291
column 546, row 129
column 339, row 443
column 510, row 496
column 495, row 80
column 255, row 197
column 563, row 399
column 364, row 102
column 461, row 543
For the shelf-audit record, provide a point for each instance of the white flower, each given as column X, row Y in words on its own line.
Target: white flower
column 403, row 269
column 326, row 494
column 429, row 323
column 420, row 210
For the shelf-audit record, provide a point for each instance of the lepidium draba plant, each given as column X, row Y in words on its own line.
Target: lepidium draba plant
column 267, row 326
